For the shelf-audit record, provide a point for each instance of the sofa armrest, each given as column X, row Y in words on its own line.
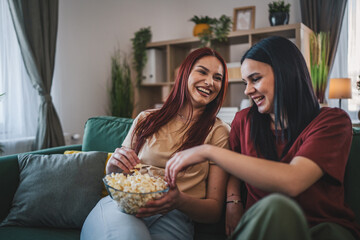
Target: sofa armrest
column 9, row 175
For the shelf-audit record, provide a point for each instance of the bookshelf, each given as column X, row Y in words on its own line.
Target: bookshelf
column 175, row 51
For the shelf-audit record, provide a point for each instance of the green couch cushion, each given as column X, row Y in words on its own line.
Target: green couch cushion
column 56, row 190
column 24, row 233
column 105, row 133
column 352, row 181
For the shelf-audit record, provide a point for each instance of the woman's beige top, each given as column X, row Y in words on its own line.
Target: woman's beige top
column 158, row 149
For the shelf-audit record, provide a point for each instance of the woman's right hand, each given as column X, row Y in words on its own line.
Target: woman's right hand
column 182, row 160
column 234, row 213
column 123, row 158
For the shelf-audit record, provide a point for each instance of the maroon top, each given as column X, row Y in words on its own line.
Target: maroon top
column 326, row 141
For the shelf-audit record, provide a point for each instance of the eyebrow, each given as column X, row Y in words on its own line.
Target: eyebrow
column 207, row 70
column 251, row 75
column 201, row 66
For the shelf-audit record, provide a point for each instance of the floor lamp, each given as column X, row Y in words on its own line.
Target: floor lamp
column 340, row 88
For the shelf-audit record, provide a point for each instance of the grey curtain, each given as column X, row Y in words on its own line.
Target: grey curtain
column 36, row 23
column 325, row 16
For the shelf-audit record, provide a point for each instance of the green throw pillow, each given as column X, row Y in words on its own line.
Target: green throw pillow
column 56, row 190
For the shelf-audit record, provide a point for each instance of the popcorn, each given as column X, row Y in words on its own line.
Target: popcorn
column 137, row 167
column 131, row 192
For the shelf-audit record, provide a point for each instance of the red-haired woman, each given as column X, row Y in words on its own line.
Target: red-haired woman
column 187, row 119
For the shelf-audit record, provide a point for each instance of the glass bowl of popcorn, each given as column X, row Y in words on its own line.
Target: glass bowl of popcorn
column 132, row 191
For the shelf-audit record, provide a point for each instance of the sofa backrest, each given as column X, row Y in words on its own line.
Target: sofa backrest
column 352, row 175
column 105, row 133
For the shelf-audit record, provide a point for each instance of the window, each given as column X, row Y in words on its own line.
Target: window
column 354, row 52
column 347, row 58
column 19, row 105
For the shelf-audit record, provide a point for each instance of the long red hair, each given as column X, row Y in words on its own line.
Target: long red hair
column 178, row 97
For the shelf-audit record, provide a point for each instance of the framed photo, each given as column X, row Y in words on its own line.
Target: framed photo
column 244, row 18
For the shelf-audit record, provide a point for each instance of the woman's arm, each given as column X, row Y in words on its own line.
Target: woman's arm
column 207, row 210
column 234, row 206
column 201, row 210
column 124, row 158
column 290, row 179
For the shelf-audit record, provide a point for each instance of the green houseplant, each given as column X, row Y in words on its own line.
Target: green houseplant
column 139, row 42
column 279, row 13
column 217, row 31
column 221, row 28
column 319, row 63
column 121, row 93
column 202, row 25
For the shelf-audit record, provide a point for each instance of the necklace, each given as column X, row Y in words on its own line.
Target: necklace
column 184, row 118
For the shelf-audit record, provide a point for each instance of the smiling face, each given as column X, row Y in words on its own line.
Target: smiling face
column 205, row 81
column 260, row 84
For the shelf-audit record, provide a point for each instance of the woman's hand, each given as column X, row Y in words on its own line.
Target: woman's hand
column 168, row 202
column 123, row 158
column 234, row 213
column 181, row 160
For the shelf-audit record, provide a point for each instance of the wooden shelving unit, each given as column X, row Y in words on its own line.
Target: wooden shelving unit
column 176, row 50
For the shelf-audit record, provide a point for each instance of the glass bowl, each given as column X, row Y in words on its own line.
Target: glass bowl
column 130, row 202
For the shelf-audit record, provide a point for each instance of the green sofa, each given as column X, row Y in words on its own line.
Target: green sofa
column 105, row 134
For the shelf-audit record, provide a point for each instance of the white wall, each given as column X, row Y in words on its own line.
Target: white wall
column 90, row 30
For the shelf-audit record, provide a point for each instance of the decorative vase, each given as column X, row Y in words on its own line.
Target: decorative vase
column 200, row 28
column 279, row 18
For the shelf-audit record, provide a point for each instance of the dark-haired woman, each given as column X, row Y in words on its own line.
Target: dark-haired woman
column 290, row 154
column 187, row 119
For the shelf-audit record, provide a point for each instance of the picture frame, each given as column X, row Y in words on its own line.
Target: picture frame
column 244, row 18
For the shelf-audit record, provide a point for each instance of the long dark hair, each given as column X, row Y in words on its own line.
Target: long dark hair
column 294, row 98
column 178, row 97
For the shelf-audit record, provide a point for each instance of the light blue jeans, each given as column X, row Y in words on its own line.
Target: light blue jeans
column 106, row 221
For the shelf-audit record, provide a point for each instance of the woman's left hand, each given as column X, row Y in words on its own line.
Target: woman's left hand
column 163, row 205
column 182, row 160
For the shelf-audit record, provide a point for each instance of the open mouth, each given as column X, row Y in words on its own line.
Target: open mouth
column 257, row 100
column 203, row 90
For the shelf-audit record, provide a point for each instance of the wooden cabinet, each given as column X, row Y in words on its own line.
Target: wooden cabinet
column 175, row 51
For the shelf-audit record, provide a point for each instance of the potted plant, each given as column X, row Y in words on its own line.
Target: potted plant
column 139, row 42
column 202, row 25
column 221, row 28
column 121, row 92
column 319, row 63
column 217, row 30
column 279, row 13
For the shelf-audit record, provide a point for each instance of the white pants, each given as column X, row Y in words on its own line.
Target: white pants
column 106, row 221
